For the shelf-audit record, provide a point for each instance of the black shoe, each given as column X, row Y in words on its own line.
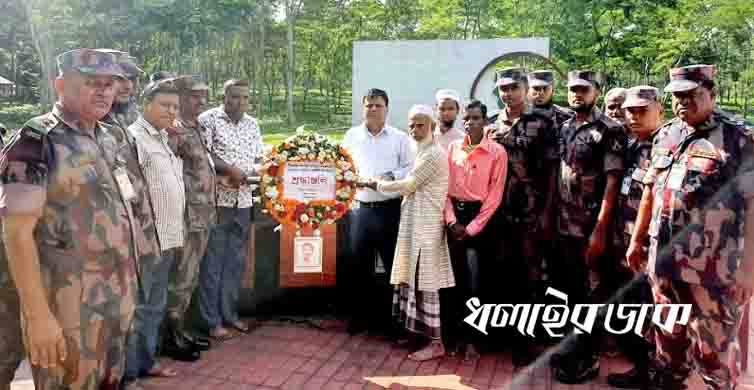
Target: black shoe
column 198, row 343
column 356, row 326
column 577, row 371
column 523, row 356
column 635, row 378
column 183, row 353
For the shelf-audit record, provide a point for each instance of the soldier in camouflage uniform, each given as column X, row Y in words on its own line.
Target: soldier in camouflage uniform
column 124, row 110
column 188, row 143
column 541, row 89
column 698, row 208
column 70, row 229
column 11, row 344
column 592, row 150
column 530, row 140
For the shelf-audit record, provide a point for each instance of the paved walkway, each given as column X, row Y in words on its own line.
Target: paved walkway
column 287, row 356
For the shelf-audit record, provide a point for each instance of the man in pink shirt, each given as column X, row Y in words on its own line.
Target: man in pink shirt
column 477, row 172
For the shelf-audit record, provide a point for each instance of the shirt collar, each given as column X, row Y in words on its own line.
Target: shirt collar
column 151, row 130
column 70, row 119
column 485, row 145
column 504, row 112
column 224, row 115
column 369, row 133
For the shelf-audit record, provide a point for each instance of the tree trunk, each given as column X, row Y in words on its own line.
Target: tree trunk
column 291, row 18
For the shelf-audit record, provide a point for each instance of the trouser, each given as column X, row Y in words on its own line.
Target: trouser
column 150, row 311
column 222, row 267
column 11, row 342
column 707, row 339
column 472, row 259
column 521, row 274
column 374, row 230
column 95, row 315
column 184, row 276
column 608, row 282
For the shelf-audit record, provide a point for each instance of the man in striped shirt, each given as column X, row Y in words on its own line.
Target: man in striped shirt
column 163, row 172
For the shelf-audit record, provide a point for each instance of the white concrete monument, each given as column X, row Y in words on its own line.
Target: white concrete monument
column 412, row 71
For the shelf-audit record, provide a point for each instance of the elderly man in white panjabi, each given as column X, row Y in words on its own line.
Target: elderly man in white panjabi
column 421, row 266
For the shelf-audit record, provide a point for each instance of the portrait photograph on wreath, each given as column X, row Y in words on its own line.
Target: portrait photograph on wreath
column 464, row 195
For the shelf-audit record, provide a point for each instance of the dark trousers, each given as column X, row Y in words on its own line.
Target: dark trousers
column 374, row 229
column 471, row 259
column 222, row 267
column 607, row 283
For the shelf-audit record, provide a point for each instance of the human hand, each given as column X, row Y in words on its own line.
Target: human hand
column 47, row 347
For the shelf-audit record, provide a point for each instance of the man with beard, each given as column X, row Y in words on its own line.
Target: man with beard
column 530, row 140
column 124, row 111
column 540, row 94
column 188, row 143
column 698, row 209
column 614, row 99
column 592, row 162
column 448, row 108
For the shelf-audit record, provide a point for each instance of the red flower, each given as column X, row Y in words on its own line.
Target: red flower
column 273, row 170
column 340, row 208
column 300, row 208
column 310, row 213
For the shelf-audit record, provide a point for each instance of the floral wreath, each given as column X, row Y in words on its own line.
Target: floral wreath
column 307, row 147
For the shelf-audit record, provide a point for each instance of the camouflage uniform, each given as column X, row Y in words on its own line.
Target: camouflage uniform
column 84, row 238
column 701, row 179
column 188, row 143
column 531, row 144
column 559, row 115
column 11, row 344
column 589, row 152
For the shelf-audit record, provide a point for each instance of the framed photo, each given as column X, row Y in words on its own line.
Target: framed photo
column 307, row 255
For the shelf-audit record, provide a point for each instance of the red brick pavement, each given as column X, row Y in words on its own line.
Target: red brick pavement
column 293, row 357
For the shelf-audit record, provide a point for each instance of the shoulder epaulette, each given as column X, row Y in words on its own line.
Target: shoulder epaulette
column 564, row 110
column 40, row 126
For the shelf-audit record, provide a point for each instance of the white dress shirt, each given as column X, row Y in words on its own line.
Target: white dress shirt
column 390, row 151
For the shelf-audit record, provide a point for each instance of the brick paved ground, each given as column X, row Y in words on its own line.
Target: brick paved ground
column 292, row 357
column 296, row 357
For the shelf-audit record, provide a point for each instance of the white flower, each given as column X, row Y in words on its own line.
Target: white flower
column 272, row 193
column 312, row 156
column 303, row 151
column 279, row 207
column 327, row 208
column 268, row 179
column 338, row 176
column 329, row 221
column 319, row 215
column 304, row 218
column 281, row 158
column 349, row 176
column 284, row 154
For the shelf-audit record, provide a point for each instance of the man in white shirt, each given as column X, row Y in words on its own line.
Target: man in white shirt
column 234, row 142
column 383, row 152
column 448, row 109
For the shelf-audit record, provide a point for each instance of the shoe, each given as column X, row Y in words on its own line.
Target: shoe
column 200, row 343
column 635, row 378
column 355, row 327
column 181, row 353
column 577, row 372
column 523, row 357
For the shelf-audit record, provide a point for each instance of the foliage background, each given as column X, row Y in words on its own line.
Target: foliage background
column 297, row 55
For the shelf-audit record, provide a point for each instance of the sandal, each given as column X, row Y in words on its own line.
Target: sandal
column 159, row 372
column 431, row 351
column 220, row 334
column 241, row 327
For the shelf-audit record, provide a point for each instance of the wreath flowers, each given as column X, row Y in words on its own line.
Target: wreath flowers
column 307, row 147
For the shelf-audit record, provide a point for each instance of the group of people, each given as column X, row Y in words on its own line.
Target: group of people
column 112, row 216
column 613, row 205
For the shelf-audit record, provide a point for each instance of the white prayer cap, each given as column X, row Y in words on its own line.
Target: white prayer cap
column 421, row 109
column 447, row 94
